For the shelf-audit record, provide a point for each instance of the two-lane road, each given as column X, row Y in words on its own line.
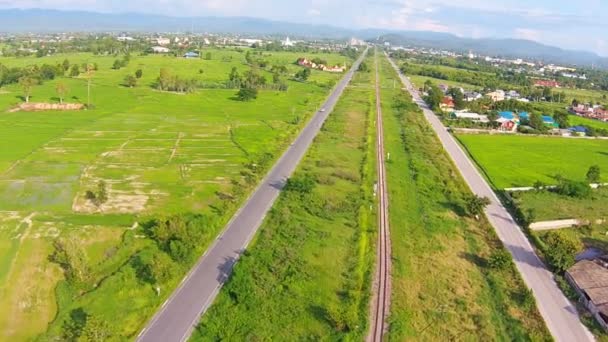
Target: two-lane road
column 559, row 314
column 177, row 317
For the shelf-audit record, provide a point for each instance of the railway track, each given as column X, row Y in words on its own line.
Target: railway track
column 382, row 284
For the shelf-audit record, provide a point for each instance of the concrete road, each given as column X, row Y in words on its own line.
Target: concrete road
column 181, row 312
column 559, row 314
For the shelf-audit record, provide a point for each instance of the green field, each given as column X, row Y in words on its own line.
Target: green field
column 442, row 286
column 520, row 161
column 307, row 274
column 159, row 153
column 549, row 205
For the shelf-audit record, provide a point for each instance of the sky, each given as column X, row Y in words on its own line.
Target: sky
column 579, row 25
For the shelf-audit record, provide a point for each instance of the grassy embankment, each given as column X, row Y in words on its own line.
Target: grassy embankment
column 443, row 287
column 160, row 153
column 307, row 273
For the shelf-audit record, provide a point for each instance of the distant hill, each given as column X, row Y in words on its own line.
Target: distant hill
column 509, row 48
column 42, row 20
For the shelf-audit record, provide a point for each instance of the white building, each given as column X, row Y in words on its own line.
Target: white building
column 287, row 42
column 163, row 41
column 160, row 49
column 471, row 116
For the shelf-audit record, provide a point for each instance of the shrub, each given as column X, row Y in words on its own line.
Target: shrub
column 247, row 94
column 501, row 259
column 300, row 184
column 573, row 188
column 561, row 249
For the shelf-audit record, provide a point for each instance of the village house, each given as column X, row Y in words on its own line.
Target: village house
column 498, row 95
column 191, row 54
column 472, row 96
column 160, row 49
column 310, row 64
column 546, row 83
column 447, row 104
column 590, row 280
column 162, row 41
column 512, row 94
column 508, row 121
column 465, row 115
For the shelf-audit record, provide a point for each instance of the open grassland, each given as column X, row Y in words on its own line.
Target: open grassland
column 520, row 161
column 548, row 205
column 306, row 276
column 442, row 285
column 159, row 153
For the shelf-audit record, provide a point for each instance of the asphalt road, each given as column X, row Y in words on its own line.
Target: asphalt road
column 181, row 312
column 559, row 314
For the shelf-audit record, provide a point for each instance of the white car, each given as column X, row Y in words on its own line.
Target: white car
column 322, row 110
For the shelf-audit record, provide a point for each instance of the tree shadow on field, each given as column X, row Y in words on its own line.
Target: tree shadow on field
column 21, row 98
column 455, row 207
column 319, row 313
column 225, row 269
column 475, row 259
column 603, row 153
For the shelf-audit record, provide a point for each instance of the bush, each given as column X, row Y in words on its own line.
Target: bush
column 247, row 94
column 300, row 184
column 573, row 188
column 501, row 259
column 561, row 249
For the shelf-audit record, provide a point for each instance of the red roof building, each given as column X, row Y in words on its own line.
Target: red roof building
column 546, row 83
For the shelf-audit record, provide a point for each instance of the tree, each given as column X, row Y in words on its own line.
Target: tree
column 500, row 259
column 427, row 85
column 75, row 71
column 475, row 205
column 130, row 81
column 594, row 174
column 493, row 116
column 457, row 96
column 234, row 75
column 139, row 73
column 117, row 64
column 65, row 65
column 100, row 196
column 61, row 90
column 574, row 103
column 572, row 188
column 71, row 256
column 562, row 119
column 247, row 94
column 434, row 97
column 303, row 74
column 363, row 67
column 27, row 83
column 536, row 121
column 208, row 56
column 561, row 249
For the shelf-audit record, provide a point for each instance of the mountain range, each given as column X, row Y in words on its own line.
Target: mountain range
column 43, row 20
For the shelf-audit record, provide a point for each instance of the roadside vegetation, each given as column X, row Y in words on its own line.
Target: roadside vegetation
column 452, row 278
column 306, row 275
column 80, row 190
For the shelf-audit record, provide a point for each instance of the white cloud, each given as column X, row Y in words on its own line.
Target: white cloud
column 314, row 12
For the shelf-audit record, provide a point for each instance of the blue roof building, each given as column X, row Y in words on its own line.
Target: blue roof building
column 578, row 129
column 549, row 121
column 507, row 115
column 524, row 116
column 191, row 55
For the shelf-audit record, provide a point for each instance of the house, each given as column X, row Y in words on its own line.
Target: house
column 524, row 116
column 464, row 115
column 160, row 49
column 547, row 120
column 163, row 41
column 547, row 83
column 512, row 94
column 578, row 130
column 498, row 95
column 472, row 96
column 444, row 88
column 447, row 104
column 310, row 64
column 508, row 122
column 590, row 280
column 191, row 54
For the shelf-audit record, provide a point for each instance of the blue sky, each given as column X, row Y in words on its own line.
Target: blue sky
column 581, row 24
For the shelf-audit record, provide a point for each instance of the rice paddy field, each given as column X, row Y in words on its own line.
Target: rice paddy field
column 520, row 161
column 159, row 153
